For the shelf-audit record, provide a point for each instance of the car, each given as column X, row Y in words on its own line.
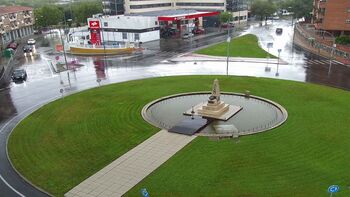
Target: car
column 12, row 45
column 279, row 30
column 187, row 35
column 31, row 41
column 198, row 31
column 19, row 75
column 28, row 49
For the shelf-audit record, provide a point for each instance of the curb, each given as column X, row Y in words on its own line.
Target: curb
column 33, row 109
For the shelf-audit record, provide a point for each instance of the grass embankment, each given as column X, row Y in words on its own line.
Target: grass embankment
column 68, row 140
column 243, row 46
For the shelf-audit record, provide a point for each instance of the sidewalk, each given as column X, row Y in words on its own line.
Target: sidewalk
column 192, row 57
column 124, row 173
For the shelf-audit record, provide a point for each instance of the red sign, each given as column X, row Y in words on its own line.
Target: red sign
column 94, row 24
column 95, row 37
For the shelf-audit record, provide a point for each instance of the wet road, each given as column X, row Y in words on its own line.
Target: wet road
column 44, row 84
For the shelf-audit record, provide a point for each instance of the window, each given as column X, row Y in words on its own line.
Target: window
column 125, row 35
column 347, row 20
column 137, row 36
column 150, row 6
column 105, row 24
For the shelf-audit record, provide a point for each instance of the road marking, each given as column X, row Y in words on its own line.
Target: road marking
column 319, row 62
column 2, row 129
column 311, row 61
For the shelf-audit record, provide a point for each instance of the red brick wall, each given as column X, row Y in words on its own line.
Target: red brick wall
column 336, row 15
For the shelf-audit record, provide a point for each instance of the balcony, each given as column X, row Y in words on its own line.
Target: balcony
column 13, row 18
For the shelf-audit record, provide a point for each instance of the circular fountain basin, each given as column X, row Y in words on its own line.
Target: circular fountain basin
column 258, row 114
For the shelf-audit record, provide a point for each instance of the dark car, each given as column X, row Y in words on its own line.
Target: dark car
column 12, row 45
column 28, row 49
column 19, row 75
column 279, row 30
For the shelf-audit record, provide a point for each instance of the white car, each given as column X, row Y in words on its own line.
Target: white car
column 31, row 41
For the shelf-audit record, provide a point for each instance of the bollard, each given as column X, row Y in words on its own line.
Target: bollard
column 61, row 91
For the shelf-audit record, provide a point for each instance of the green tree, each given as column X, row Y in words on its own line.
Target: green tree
column 300, row 8
column 225, row 17
column 48, row 16
column 82, row 11
column 263, row 9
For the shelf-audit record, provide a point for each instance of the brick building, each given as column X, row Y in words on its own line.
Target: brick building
column 332, row 16
column 15, row 22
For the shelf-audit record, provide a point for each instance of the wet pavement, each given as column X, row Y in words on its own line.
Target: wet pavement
column 44, row 83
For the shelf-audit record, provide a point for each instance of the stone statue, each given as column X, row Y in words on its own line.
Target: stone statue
column 215, row 93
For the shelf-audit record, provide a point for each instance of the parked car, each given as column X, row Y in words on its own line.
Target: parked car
column 279, row 30
column 19, row 75
column 198, row 31
column 187, row 35
column 12, row 45
column 28, row 48
column 31, row 41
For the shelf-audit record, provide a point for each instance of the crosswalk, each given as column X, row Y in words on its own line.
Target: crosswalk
column 322, row 62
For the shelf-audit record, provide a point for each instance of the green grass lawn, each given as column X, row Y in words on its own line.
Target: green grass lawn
column 244, row 46
column 68, row 140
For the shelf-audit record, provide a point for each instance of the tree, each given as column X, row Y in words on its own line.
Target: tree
column 300, row 8
column 263, row 9
column 225, row 17
column 82, row 11
column 48, row 16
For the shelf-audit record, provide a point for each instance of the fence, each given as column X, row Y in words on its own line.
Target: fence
column 322, row 44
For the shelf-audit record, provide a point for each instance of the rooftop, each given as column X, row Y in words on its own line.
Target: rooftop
column 13, row 9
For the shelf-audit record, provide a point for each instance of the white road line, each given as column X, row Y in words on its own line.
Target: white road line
column 319, row 62
column 2, row 129
column 8, row 185
column 311, row 61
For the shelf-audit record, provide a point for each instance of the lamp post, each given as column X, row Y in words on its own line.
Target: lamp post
column 290, row 8
column 332, row 54
column 65, row 57
column 228, row 53
column 323, row 32
column 278, row 62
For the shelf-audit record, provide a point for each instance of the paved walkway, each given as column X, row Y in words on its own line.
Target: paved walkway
column 192, row 57
column 129, row 169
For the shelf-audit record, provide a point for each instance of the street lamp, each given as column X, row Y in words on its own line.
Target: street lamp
column 290, row 8
column 332, row 54
column 278, row 62
column 65, row 57
column 228, row 53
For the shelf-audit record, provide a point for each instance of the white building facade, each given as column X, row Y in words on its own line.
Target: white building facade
column 139, row 6
column 123, row 29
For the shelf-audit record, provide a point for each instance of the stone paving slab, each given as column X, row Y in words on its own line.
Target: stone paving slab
column 129, row 169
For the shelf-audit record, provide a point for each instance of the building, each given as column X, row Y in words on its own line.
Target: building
column 15, row 22
column 239, row 10
column 113, row 7
column 139, row 6
column 123, row 29
column 332, row 16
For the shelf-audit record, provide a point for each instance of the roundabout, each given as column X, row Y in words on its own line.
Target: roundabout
column 65, row 142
